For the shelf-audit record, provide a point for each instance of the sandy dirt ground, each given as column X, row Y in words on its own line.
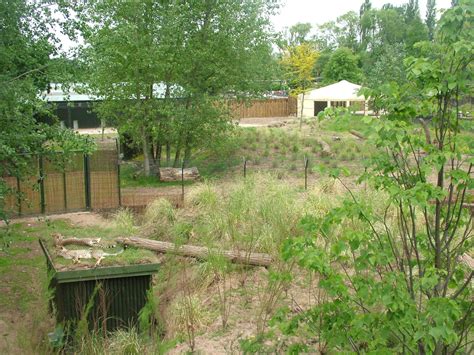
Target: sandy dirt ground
column 265, row 121
column 107, row 130
column 85, row 219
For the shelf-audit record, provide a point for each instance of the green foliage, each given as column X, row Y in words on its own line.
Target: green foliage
column 298, row 62
column 343, row 65
column 431, row 18
column 25, row 72
column 389, row 267
column 177, row 63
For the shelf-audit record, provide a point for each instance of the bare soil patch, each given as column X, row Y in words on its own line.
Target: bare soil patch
column 265, row 121
column 85, row 219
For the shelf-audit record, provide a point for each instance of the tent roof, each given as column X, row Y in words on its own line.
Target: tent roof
column 342, row 91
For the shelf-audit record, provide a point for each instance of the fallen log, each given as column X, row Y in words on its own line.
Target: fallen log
column 357, row 134
column 60, row 241
column 326, row 150
column 174, row 174
column 238, row 257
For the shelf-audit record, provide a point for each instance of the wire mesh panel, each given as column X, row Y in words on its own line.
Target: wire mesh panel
column 75, row 184
column 11, row 200
column 30, row 196
column 104, row 189
column 53, row 183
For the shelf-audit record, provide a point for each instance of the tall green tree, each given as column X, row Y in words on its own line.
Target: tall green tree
column 431, row 18
column 342, row 65
column 412, row 10
column 26, row 47
column 161, row 66
column 344, row 32
column 299, row 62
column 387, row 67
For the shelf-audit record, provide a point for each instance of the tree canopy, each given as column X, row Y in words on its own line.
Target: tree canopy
column 26, row 70
column 197, row 52
column 342, row 65
column 376, row 37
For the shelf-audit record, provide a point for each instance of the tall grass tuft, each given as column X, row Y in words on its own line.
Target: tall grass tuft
column 203, row 195
column 159, row 216
column 124, row 219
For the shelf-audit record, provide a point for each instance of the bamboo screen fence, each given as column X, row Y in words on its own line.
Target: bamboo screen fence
column 83, row 182
column 283, row 107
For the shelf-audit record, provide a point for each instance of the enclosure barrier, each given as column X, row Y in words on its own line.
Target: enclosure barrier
column 282, row 107
column 83, row 182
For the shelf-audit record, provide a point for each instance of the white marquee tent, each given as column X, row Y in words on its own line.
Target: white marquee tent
column 341, row 94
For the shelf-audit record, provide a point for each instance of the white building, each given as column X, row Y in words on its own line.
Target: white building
column 341, row 94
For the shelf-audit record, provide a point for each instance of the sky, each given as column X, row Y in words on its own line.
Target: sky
column 318, row 12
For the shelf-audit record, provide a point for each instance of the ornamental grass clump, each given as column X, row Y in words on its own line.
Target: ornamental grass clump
column 159, row 216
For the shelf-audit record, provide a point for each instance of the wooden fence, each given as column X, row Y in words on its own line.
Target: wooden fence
column 283, row 107
column 85, row 183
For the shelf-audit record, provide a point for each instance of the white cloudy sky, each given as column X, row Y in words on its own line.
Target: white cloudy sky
column 320, row 11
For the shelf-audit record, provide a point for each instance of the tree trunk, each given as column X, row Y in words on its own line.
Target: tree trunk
column 426, row 128
column 158, row 160
column 177, row 156
column 187, row 154
column 146, row 157
column 168, row 153
column 238, row 257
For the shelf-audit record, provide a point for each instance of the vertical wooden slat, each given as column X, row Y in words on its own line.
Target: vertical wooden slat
column 283, row 107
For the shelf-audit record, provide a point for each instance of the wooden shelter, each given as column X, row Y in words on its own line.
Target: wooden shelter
column 341, row 94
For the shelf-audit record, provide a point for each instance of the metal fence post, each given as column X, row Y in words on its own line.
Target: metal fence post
column 306, row 161
column 41, row 184
column 64, row 188
column 87, row 187
column 118, row 172
column 18, row 195
column 182, row 182
column 245, row 167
